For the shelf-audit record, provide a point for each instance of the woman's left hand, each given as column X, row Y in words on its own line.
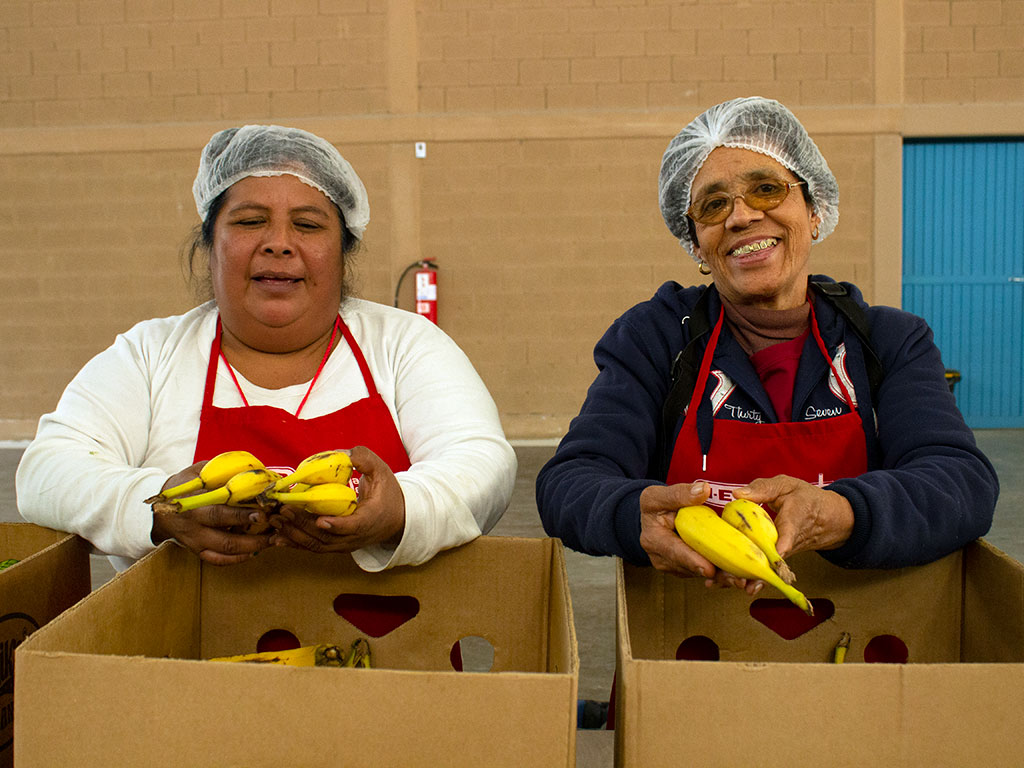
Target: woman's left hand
column 379, row 517
column 807, row 517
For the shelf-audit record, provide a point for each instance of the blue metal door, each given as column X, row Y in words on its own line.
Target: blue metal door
column 963, row 267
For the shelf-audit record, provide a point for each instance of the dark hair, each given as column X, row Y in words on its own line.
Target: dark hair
column 199, row 245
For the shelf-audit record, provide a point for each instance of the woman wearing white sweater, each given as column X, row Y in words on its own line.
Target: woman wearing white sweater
column 281, row 363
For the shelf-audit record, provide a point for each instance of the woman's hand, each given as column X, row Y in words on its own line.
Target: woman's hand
column 379, row 517
column 658, row 537
column 808, row 517
column 214, row 533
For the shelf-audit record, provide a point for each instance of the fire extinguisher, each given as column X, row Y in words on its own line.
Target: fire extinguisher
column 426, row 287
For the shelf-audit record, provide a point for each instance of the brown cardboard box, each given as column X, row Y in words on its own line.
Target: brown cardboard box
column 52, row 575
column 118, row 680
column 768, row 700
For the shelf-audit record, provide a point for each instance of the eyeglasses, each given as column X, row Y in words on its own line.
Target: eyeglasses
column 761, row 195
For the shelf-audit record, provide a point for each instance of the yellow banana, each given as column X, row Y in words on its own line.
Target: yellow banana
column 359, row 654
column 334, row 499
column 215, row 473
column 756, row 524
column 705, row 532
column 240, row 490
column 839, row 653
column 323, row 655
column 323, row 467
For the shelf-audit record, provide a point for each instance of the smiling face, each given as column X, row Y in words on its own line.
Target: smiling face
column 758, row 258
column 276, row 263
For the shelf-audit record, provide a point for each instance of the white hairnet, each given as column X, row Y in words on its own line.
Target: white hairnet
column 754, row 123
column 272, row 150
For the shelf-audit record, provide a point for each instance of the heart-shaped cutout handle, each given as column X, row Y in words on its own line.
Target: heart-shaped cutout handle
column 786, row 620
column 376, row 615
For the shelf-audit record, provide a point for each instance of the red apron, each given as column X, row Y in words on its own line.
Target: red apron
column 281, row 440
column 819, row 451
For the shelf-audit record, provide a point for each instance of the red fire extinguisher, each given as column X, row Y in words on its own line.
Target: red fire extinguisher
column 426, row 287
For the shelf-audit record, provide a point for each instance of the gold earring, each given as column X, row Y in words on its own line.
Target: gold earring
column 814, row 234
column 703, row 268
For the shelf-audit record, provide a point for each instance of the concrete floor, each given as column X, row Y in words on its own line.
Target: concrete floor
column 592, row 580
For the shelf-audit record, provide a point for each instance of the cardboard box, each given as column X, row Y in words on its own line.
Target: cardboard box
column 52, row 575
column 118, row 680
column 957, row 700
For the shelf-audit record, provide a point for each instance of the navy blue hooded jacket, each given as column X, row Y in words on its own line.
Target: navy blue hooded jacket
column 928, row 490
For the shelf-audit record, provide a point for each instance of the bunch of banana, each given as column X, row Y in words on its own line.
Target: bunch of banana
column 237, row 478
column 244, row 488
column 334, row 499
column 323, row 655
column 319, row 484
column 727, row 548
column 752, row 521
column 324, row 467
column 214, row 474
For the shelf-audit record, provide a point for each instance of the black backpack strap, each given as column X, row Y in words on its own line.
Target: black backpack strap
column 684, row 372
column 839, row 297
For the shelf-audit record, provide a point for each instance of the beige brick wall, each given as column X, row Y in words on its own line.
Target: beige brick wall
column 89, row 62
column 576, row 55
column 964, row 51
column 544, row 122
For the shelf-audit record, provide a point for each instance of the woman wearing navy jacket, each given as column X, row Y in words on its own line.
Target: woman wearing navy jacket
column 852, row 438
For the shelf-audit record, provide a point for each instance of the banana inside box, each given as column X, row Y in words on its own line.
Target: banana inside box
column 357, row 655
column 741, row 542
column 237, row 478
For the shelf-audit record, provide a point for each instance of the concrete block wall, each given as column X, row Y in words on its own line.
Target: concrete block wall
column 544, row 120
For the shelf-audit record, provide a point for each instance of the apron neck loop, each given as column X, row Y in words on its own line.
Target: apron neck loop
column 319, row 370
column 323, row 362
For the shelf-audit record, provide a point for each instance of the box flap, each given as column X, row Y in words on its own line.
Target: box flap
column 956, row 715
column 563, row 652
column 745, row 714
column 52, row 574
column 151, row 609
column 993, row 605
column 114, row 711
column 22, row 540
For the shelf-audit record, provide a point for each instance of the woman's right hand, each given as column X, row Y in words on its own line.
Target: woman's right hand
column 658, row 537
column 211, row 532
column 668, row 552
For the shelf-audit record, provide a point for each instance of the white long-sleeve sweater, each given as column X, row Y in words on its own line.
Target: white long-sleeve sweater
column 130, row 417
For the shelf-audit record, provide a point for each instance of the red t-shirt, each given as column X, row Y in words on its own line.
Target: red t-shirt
column 776, row 367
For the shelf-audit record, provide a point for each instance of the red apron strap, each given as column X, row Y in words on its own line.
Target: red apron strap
column 371, row 388
column 211, row 369
column 702, row 376
column 319, row 370
column 828, row 359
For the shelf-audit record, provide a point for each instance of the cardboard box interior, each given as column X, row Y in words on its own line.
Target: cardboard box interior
column 134, row 645
column 958, row 624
